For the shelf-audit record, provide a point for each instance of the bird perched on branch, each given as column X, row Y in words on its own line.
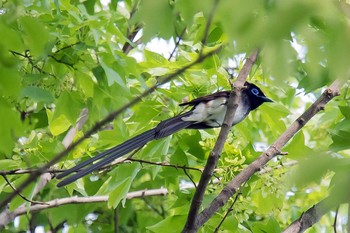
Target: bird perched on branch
column 206, row 112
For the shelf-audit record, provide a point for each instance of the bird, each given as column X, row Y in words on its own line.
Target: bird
column 206, row 112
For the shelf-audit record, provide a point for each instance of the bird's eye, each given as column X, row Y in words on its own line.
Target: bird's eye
column 255, row 91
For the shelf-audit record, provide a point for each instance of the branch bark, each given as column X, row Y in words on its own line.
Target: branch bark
column 6, row 217
column 311, row 216
column 214, row 156
column 231, row 188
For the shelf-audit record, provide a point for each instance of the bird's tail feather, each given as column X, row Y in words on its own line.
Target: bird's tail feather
column 163, row 129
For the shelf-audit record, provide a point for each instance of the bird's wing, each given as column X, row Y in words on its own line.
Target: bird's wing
column 207, row 98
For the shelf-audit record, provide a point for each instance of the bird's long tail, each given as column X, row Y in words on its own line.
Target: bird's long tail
column 163, row 129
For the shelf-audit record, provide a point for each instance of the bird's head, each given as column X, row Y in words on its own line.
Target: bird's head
column 255, row 95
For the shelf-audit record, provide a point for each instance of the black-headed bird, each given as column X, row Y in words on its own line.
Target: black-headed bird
column 206, row 112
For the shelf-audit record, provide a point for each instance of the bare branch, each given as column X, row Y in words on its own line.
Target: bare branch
column 348, row 223
column 67, row 47
column 272, row 151
column 214, row 156
column 116, row 220
column 164, row 164
column 335, row 220
column 61, row 61
column 20, row 194
column 7, row 217
column 210, row 19
column 129, row 45
column 27, row 171
column 286, row 164
column 311, row 216
column 189, row 177
column 152, row 207
column 179, row 38
column 28, row 57
column 230, row 209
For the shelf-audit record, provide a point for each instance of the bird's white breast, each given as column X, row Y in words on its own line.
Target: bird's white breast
column 213, row 113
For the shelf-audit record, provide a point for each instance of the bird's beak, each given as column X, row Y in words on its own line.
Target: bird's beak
column 266, row 99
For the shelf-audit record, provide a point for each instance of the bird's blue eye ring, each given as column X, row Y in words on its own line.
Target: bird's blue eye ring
column 255, row 91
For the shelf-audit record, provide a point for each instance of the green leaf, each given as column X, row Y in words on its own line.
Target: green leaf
column 112, row 75
column 157, row 16
column 37, row 94
column 296, row 148
column 176, row 222
column 122, row 178
column 70, row 105
column 345, row 110
column 10, row 129
column 12, row 41
column 155, row 58
column 9, row 82
column 340, row 140
column 341, row 135
column 313, row 168
column 35, row 35
column 9, row 164
column 59, row 125
column 270, row 225
column 273, row 114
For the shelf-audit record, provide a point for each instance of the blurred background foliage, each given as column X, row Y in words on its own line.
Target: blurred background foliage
column 58, row 57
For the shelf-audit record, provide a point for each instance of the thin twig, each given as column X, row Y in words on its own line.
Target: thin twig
column 335, row 220
column 178, row 40
column 153, row 208
column 61, row 61
column 164, row 164
column 209, row 21
column 230, row 209
column 67, row 47
column 129, row 44
column 28, row 171
column 20, row 194
column 28, row 57
column 116, row 220
column 189, row 177
column 348, row 223
column 131, row 35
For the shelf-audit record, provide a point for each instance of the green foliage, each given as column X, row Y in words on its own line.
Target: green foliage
column 59, row 57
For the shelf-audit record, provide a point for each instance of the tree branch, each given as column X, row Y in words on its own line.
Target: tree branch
column 214, row 156
column 177, row 43
column 231, row 188
column 229, row 210
column 129, row 44
column 20, row 194
column 210, row 19
column 311, row 216
column 33, row 176
column 6, row 216
column 348, row 223
column 116, row 220
column 335, row 220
